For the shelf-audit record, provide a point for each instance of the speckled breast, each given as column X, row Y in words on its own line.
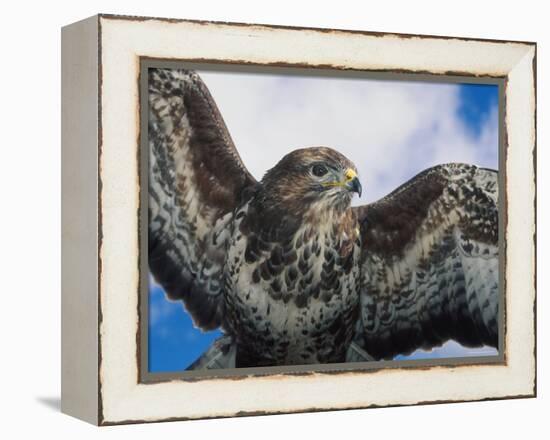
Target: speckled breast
column 293, row 300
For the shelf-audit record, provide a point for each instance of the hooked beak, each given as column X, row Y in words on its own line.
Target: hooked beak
column 352, row 182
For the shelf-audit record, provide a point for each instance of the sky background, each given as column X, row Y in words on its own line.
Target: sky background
column 391, row 130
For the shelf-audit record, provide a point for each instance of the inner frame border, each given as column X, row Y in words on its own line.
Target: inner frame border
column 142, row 339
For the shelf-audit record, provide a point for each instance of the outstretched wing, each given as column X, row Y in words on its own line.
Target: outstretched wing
column 430, row 263
column 196, row 179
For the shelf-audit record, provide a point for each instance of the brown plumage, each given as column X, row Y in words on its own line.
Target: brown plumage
column 292, row 273
column 294, row 255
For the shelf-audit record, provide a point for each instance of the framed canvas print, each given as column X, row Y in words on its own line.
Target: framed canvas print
column 262, row 219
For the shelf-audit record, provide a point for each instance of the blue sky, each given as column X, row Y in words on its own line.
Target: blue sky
column 476, row 103
column 174, row 342
column 390, row 130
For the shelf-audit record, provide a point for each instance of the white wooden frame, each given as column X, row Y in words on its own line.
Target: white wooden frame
column 100, row 135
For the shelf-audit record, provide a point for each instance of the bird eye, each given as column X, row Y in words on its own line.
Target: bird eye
column 319, row 170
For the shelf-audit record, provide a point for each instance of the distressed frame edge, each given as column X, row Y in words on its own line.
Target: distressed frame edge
column 532, row 53
column 102, row 421
column 237, row 24
column 80, row 220
column 535, row 195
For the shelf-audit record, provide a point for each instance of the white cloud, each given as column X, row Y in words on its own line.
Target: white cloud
column 390, row 130
column 450, row 349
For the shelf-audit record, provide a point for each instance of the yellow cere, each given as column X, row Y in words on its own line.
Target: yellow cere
column 350, row 174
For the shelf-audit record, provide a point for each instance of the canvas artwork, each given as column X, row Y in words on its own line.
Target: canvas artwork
column 266, row 219
column 310, row 218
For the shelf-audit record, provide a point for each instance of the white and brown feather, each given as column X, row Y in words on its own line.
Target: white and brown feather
column 430, row 263
column 295, row 290
column 195, row 181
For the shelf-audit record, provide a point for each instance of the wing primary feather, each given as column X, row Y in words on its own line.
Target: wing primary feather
column 196, row 182
column 430, row 263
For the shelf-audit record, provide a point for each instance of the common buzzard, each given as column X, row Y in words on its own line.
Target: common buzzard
column 289, row 271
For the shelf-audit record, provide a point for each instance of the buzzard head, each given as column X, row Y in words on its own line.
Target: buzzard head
column 318, row 178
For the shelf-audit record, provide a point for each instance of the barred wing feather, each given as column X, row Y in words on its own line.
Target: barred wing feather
column 196, row 179
column 430, row 264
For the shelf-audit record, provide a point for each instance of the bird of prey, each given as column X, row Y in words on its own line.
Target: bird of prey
column 293, row 274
